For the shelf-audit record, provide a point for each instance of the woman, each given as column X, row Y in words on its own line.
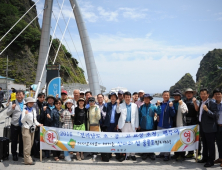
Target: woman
column 66, row 119
column 80, row 121
column 29, row 124
column 93, row 117
column 54, row 120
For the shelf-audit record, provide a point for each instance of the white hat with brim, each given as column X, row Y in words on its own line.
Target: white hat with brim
column 190, row 90
column 29, row 100
column 69, row 101
column 141, row 91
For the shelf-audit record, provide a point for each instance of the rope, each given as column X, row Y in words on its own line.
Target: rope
column 18, row 21
column 20, row 33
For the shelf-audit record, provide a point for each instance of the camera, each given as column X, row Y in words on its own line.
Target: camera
column 32, row 129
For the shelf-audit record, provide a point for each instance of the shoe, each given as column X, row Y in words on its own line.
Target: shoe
column 189, row 155
column 94, row 158
column 153, row 157
column 202, row 161
column 82, row 156
column 15, row 157
column 121, row 159
column 20, row 155
column 144, row 156
column 128, row 158
column 78, row 157
column 133, row 158
column 218, row 161
column 33, row 163
column 174, row 157
column 179, row 158
column 166, row 158
column 67, row 158
column 208, row 164
column 160, row 156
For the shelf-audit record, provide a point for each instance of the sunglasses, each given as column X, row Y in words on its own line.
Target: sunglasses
column 91, row 101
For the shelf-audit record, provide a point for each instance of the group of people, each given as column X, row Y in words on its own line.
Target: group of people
column 121, row 112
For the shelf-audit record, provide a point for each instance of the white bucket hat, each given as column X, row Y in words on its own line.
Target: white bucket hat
column 29, row 100
column 69, row 101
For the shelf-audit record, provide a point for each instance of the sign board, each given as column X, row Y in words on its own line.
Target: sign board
column 54, row 87
column 52, row 67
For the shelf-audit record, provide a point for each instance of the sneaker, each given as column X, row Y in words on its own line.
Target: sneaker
column 179, row 158
column 144, row 156
column 189, row 155
column 166, row 158
column 67, row 158
column 94, row 158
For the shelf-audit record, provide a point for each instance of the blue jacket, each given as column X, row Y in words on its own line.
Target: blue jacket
column 166, row 115
column 55, row 118
column 146, row 116
column 108, row 109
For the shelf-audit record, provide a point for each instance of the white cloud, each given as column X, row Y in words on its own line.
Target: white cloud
column 133, row 13
column 109, row 16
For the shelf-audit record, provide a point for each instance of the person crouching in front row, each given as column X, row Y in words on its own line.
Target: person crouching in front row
column 129, row 118
column 29, row 124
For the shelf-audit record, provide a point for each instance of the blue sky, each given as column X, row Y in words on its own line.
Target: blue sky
column 144, row 44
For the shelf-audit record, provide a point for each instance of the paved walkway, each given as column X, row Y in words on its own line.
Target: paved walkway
column 87, row 164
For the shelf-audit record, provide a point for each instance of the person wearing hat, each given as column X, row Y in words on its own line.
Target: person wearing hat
column 46, row 114
column 146, row 119
column 67, row 123
column 93, row 117
column 120, row 96
column 179, row 119
column 55, row 121
column 82, row 94
column 64, row 97
column 192, row 115
column 80, row 121
column 140, row 102
column 29, row 124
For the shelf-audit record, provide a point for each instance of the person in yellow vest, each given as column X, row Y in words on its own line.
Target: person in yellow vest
column 12, row 96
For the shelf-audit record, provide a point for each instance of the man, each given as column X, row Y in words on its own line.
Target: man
column 88, row 94
column 76, row 94
column 135, row 97
column 82, row 94
column 129, row 117
column 1, row 97
column 120, row 96
column 146, row 119
column 39, row 111
column 47, row 114
column 208, row 127
column 217, row 96
column 100, row 99
column 165, row 118
column 192, row 115
column 179, row 119
column 64, row 97
column 140, row 100
column 15, row 109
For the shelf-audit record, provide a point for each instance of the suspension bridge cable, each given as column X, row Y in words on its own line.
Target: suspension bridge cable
column 72, row 42
column 69, row 50
column 18, row 21
column 63, row 66
column 21, row 32
column 62, row 36
column 37, row 90
column 67, row 59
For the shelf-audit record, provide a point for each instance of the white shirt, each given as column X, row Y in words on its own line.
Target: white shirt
column 27, row 119
column 201, row 110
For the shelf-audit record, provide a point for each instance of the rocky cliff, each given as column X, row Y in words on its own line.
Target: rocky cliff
column 185, row 82
column 23, row 52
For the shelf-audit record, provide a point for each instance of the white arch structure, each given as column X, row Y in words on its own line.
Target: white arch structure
column 86, row 45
